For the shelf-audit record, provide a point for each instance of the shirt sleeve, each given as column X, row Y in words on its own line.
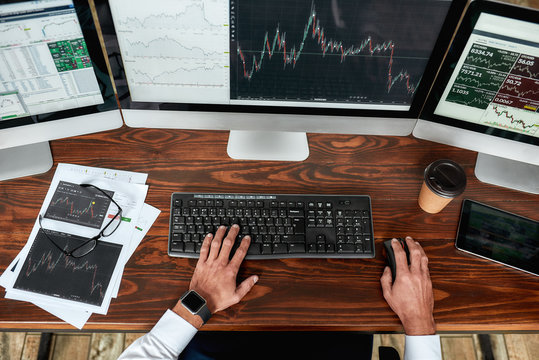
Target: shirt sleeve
column 166, row 340
column 425, row 347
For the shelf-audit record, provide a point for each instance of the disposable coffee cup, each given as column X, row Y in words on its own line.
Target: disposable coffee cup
column 443, row 181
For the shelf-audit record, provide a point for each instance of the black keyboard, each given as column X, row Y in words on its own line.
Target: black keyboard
column 280, row 226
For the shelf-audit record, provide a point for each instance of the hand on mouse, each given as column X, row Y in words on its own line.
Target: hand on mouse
column 410, row 296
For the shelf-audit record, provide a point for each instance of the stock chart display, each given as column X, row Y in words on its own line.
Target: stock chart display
column 48, row 271
column 496, row 79
column 503, row 83
column 77, row 205
column 277, row 52
column 44, row 62
column 332, row 51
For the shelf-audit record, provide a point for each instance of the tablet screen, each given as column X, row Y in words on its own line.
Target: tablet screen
column 500, row 236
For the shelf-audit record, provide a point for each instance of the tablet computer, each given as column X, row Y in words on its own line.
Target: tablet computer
column 500, row 236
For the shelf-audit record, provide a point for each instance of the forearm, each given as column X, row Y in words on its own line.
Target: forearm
column 166, row 340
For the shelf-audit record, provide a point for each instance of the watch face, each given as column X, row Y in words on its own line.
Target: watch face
column 193, row 302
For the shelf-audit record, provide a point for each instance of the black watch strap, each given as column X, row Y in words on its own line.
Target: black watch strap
column 196, row 304
column 204, row 313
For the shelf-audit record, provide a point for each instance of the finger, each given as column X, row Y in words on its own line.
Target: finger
column 241, row 251
column 400, row 257
column 415, row 254
column 386, row 281
column 216, row 243
column 205, row 248
column 228, row 242
column 425, row 266
column 245, row 286
column 424, row 261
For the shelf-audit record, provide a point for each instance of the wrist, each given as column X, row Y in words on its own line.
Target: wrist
column 193, row 308
column 191, row 318
column 421, row 327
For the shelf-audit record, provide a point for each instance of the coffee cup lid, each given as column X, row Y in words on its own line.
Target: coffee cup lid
column 445, row 178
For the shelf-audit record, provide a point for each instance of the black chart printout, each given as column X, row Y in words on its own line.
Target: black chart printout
column 75, row 204
column 47, row 271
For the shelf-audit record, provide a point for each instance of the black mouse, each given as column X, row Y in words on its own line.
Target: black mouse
column 391, row 255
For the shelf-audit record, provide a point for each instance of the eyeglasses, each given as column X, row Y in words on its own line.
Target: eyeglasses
column 88, row 246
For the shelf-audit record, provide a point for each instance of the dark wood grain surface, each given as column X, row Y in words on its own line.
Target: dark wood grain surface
column 294, row 294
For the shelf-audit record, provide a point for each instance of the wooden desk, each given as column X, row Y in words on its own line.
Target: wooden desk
column 471, row 294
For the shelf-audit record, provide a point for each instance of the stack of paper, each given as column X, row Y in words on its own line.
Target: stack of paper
column 72, row 288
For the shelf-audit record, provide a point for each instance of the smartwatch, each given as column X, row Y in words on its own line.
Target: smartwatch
column 196, row 305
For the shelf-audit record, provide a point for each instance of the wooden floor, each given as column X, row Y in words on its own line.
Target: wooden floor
column 104, row 346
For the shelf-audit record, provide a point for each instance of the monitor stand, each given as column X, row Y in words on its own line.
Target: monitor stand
column 507, row 173
column 268, row 145
column 25, row 160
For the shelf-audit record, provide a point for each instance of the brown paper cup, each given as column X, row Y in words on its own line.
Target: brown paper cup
column 443, row 181
column 430, row 202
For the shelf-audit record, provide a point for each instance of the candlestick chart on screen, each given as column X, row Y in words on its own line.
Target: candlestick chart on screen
column 342, row 51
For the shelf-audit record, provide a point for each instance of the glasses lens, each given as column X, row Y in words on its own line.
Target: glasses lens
column 113, row 225
column 85, row 248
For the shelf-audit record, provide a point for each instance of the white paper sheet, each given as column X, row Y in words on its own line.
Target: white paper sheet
column 147, row 217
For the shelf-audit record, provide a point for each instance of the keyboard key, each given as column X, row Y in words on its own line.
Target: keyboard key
column 292, row 238
column 298, row 226
column 346, row 248
column 280, row 248
column 296, row 213
column 176, row 246
column 266, row 249
column 254, row 249
column 189, row 247
column 295, row 248
column 366, row 225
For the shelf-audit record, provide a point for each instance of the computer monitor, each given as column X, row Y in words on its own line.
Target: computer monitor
column 54, row 81
column 272, row 70
column 486, row 96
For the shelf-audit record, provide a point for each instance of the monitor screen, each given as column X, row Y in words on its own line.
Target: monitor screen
column 495, row 82
column 486, row 95
column 54, row 81
column 47, row 67
column 312, row 57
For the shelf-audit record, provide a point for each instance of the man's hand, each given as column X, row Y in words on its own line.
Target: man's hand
column 215, row 275
column 410, row 297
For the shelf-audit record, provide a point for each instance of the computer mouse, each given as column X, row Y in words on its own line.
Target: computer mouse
column 391, row 255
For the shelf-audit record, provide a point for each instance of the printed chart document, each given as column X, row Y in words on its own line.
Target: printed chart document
column 73, row 288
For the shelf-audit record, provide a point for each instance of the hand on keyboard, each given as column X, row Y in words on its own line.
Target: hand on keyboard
column 215, row 274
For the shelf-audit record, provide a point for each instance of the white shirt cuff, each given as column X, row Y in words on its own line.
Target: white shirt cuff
column 425, row 347
column 173, row 331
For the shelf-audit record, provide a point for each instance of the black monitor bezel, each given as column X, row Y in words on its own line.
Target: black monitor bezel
column 89, row 32
column 457, row 46
column 111, row 42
